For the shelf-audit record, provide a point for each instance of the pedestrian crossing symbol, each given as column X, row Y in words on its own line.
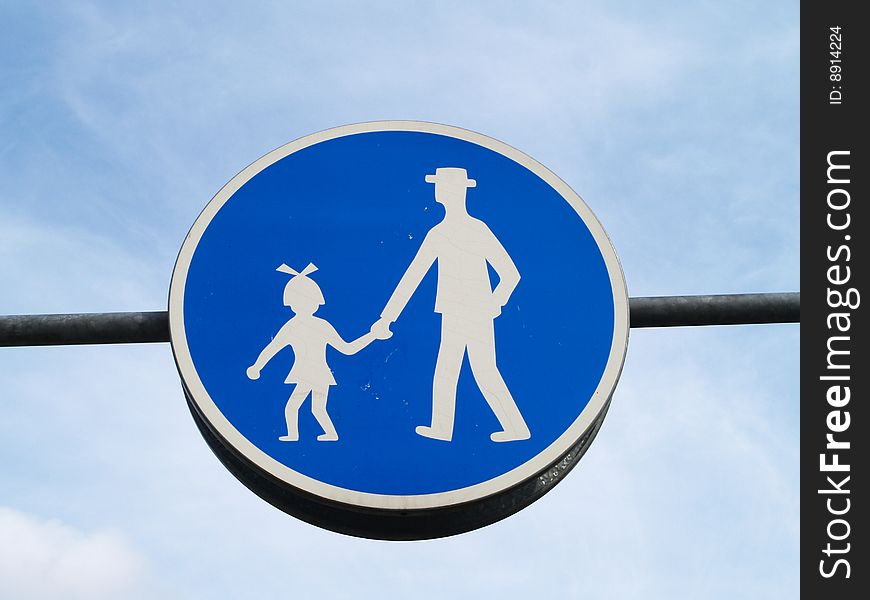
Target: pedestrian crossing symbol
column 390, row 328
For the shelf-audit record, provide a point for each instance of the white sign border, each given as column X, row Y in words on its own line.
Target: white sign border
column 530, row 468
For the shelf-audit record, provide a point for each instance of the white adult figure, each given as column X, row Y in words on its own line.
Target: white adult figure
column 468, row 305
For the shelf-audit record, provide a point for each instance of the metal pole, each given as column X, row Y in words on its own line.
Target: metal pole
column 84, row 328
column 145, row 327
column 725, row 309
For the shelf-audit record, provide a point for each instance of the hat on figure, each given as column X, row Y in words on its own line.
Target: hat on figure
column 451, row 177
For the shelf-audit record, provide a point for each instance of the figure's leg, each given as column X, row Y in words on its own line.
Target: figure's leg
column 447, row 367
column 481, row 355
column 318, row 408
column 291, row 412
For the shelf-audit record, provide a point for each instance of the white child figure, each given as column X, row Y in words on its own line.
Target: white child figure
column 308, row 336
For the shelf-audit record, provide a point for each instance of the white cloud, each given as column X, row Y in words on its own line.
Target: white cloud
column 41, row 558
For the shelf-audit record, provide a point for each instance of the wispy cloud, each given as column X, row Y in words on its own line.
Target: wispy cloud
column 44, row 558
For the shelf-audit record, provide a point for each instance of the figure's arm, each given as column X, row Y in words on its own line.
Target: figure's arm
column 418, row 268
column 508, row 275
column 277, row 344
column 336, row 341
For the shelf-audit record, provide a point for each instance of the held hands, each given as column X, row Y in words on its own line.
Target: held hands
column 381, row 329
column 253, row 372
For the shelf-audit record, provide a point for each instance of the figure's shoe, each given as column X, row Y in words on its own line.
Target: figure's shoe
column 429, row 432
column 327, row 437
column 510, row 436
column 289, row 438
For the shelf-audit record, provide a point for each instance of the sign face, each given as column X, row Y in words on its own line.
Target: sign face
column 398, row 329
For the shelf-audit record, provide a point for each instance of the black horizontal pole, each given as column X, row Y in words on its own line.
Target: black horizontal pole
column 84, row 328
column 724, row 309
column 145, row 327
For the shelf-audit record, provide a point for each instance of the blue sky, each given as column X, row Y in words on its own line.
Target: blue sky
column 676, row 122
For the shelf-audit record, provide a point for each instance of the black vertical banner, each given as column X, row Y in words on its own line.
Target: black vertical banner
column 834, row 362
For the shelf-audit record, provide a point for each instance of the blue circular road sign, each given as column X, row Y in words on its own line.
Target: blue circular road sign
column 398, row 329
